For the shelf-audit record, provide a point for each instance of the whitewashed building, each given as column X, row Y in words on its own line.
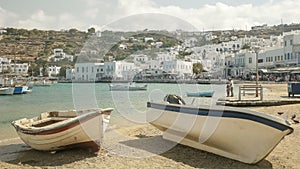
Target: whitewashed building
column 59, row 54
column 291, row 48
column 115, row 70
column 19, row 68
column 154, row 64
column 181, row 68
column 87, row 71
column 70, row 74
column 166, row 56
column 244, row 63
column 141, row 58
column 271, row 57
column 53, row 70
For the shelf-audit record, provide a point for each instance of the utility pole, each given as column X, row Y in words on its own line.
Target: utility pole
column 256, row 49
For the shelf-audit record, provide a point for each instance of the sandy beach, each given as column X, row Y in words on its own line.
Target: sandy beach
column 140, row 145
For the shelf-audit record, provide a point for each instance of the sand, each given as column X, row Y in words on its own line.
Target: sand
column 139, row 146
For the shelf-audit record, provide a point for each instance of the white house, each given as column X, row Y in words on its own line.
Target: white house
column 291, row 48
column 154, row 64
column 141, row 58
column 181, row 68
column 146, row 39
column 87, row 71
column 122, row 46
column 271, row 58
column 58, row 52
column 244, row 63
column 53, row 70
column 19, row 68
column 166, row 56
column 58, row 55
column 115, row 70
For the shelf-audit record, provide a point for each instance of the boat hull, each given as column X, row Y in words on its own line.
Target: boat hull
column 240, row 136
column 82, row 131
column 200, row 94
column 7, row 91
column 126, row 88
column 20, row 89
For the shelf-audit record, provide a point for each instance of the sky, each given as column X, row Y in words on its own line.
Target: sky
column 147, row 14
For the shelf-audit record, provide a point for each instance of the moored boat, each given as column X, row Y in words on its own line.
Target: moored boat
column 20, row 89
column 235, row 133
column 127, row 87
column 57, row 130
column 6, row 90
column 43, row 83
column 200, row 94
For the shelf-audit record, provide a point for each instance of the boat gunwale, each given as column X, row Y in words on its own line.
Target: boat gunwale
column 59, row 126
column 227, row 112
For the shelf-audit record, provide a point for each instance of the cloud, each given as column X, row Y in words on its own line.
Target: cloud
column 213, row 16
column 92, row 13
column 7, row 16
column 38, row 20
column 219, row 15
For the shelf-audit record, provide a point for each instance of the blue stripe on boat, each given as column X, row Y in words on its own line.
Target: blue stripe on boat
column 223, row 113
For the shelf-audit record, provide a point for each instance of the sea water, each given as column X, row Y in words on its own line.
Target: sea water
column 130, row 107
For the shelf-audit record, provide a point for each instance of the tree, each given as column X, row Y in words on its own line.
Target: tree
column 197, row 68
column 246, row 46
column 33, row 70
column 91, row 30
column 45, row 71
column 62, row 71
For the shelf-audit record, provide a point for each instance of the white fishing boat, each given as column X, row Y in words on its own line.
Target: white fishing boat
column 21, row 89
column 57, row 130
column 7, row 90
column 43, row 83
column 235, row 133
column 127, row 87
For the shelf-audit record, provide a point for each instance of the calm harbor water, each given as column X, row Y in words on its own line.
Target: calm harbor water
column 130, row 106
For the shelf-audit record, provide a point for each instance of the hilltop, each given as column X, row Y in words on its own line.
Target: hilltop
column 32, row 45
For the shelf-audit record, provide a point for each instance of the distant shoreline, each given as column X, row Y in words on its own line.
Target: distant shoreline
column 212, row 81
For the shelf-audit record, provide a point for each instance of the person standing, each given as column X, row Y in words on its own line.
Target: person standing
column 231, row 86
column 228, row 88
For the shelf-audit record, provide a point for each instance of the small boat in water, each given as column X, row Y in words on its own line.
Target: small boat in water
column 235, row 133
column 21, row 89
column 7, row 90
column 200, row 94
column 43, row 83
column 127, row 87
column 57, row 130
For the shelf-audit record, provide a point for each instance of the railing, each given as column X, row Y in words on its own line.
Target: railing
column 256, row 90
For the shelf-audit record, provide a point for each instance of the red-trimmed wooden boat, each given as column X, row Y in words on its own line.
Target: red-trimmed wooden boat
column 57, row 130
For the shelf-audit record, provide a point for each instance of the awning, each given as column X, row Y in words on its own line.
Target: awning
column 296, row 72
column 265, row 70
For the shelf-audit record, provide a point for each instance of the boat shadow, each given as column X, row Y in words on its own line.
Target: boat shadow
column 23, row 154
column 190, row 156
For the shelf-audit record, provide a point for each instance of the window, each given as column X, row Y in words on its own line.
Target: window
column 250, row 60
column 284, row 43
column 291, row 42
